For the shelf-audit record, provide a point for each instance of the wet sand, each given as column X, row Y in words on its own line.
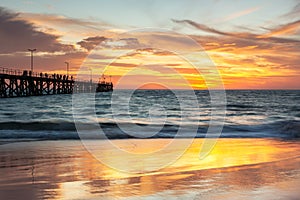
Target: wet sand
column 235, row 169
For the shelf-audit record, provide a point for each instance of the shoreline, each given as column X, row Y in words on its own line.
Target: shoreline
column 4, row 141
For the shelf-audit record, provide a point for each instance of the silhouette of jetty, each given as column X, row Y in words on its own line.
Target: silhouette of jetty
column 16, row 83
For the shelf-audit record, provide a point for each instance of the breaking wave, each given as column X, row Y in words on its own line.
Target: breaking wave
column 67, row 130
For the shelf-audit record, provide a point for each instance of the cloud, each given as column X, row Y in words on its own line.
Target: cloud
column 130, row 42
column 201, row 27
column 127, row 65
column 287, row 29
column 148, row 51
column 260, row 59
column 247, row 35
column 294, row 13
column 91, row 42
column 17, row 35
column 240, row 13
column 98, row 56
column 62, row 21
column 123, row 43
column 170, row 41
column 111, row 43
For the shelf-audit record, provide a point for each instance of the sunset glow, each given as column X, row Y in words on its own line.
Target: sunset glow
column 253, row 45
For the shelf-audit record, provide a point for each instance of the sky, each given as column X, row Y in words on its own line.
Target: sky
column 195, row 44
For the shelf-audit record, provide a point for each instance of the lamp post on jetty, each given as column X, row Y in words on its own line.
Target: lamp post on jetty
column 67, row 63
column 31, row 51
column 91, row 75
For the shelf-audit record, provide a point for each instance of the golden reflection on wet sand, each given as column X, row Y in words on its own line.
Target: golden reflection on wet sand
column 65, row 170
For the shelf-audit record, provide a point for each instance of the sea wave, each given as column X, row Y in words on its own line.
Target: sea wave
column 67, row 130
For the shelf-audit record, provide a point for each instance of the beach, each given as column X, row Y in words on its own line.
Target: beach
column 235, row 169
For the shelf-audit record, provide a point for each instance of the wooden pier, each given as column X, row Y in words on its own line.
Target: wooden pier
column 16, row 83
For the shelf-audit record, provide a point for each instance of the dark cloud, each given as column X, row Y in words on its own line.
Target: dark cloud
column 91, row 42
column 17, row 35
column 201, row 27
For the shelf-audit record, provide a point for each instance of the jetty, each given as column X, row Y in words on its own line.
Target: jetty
column 23, row 83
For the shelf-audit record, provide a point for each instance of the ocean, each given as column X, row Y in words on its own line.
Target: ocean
column 249, row 114
column 256, row 157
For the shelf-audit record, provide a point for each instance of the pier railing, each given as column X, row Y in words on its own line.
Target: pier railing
column 4, row 70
